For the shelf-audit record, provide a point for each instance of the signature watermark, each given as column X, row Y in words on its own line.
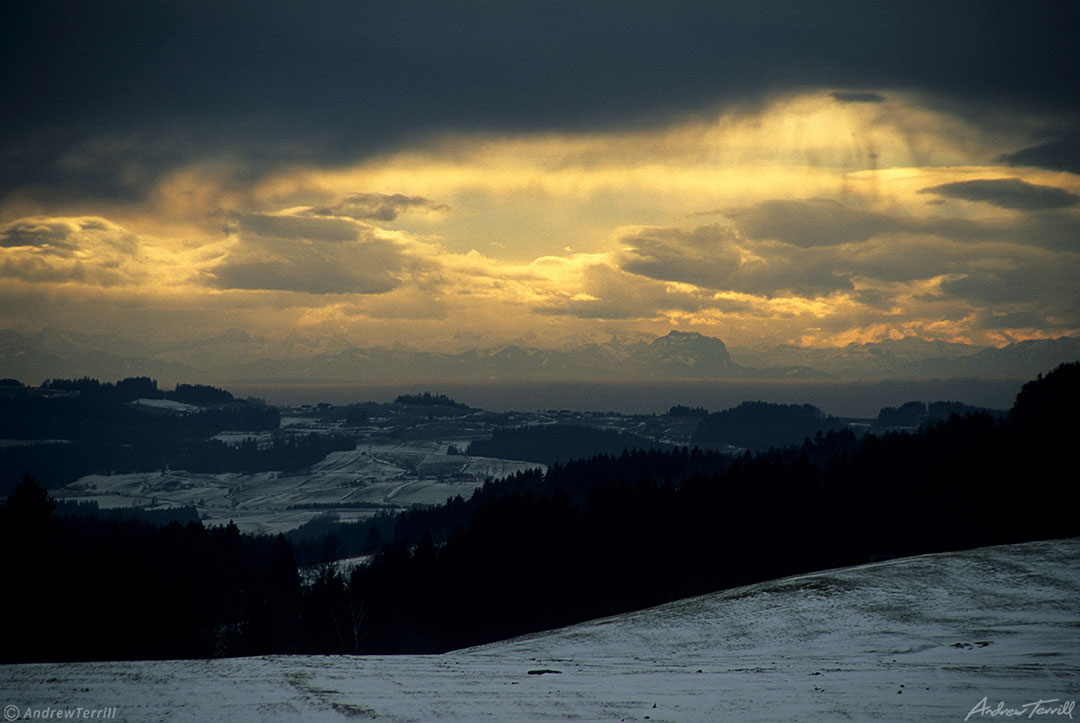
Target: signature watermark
column 1050, row 706
column 14, row 712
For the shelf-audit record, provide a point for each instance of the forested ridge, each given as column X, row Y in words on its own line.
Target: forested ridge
column 84, row 426
column 588, row 538
column 556, row 443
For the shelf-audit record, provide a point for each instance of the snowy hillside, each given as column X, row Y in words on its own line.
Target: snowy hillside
column 352, row 484
column 920, row 639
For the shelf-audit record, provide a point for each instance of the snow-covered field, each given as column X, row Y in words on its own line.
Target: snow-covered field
column 168, row 405
column 921, row 639
column 353, row 485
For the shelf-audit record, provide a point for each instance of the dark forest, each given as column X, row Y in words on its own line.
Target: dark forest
column 591, row 537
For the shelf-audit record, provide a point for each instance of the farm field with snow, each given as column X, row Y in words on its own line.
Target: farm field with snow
column 947, row 637
column 351, row 484
column 405, row 455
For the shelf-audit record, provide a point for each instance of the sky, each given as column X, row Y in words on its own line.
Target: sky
column 449, row 175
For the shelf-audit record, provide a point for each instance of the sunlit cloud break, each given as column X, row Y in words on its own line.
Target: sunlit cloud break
column 812, row 210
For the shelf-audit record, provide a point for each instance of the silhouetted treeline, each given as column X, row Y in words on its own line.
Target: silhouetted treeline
column 915, row 414
column 96, row 429
column 324, row 539
column 428, row 399
column 62, row 463
column 681, row 410
column 132, row 388
column 553, row 443
column 89, row 508
column 73, row 418
column 609, row 535
column 586, row 539
column 400, row 416
column 85, row 588
column 757, row 426
column 911, row 414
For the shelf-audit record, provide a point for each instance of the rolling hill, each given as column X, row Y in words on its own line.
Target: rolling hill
column 936, row 637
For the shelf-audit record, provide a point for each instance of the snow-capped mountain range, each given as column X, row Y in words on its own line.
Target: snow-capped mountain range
column 237, row 356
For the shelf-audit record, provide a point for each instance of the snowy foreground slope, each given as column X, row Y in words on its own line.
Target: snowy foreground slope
column 919, row 639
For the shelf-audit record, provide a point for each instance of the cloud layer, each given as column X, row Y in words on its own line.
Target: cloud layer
column 103, row 98
column 1008, row 193
column 421, row 173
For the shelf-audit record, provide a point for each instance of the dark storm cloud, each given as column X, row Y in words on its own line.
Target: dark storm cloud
column 85, row 250
column 823, row 223
column 65, row 237
column 39, row 270
column 377, row 206
column 1031, row 319
column 296, row 227
column 858, row 97
column 113, row 161
column 711, row 257
column 1008, row 193
column 995, row 288
column 815, row 222
column 304, row 274
column 622, row 295
column 329, row 80
column 1062, row 154
column 1003, row 268
column 36, row 233
column 1047, row 281
column 1059, row 230
column 706, row 257
column 372, row 267
column 875, row 298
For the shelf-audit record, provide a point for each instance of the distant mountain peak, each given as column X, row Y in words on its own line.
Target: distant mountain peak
column 687, row 337
column 691, row 350
column 676, row 334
